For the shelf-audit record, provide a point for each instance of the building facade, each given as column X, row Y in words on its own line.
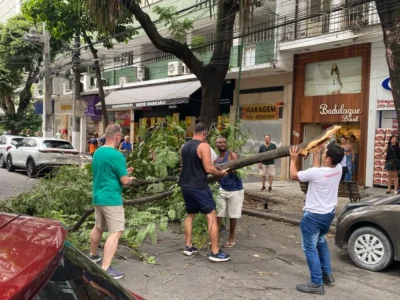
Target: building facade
column 9, row 8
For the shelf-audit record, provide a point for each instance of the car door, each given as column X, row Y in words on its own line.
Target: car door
column 30, row 151
column 18, row 153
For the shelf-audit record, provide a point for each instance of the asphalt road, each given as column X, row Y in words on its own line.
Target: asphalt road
column 267, row 263
column 14, row 183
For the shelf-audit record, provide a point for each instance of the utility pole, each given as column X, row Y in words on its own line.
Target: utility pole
column 48, row 120
column 44, row 38
column 76, row 126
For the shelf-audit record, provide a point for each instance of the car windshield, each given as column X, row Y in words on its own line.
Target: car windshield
column 15, row 141
column 76, row 277
column 57, row 144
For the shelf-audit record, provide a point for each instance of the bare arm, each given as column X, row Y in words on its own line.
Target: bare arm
column 127, row 180
column 293, row 163
column 316, row 157
column 233, row 156
column 204, row 153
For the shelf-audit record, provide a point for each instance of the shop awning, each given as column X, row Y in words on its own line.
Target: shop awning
column 166, row 94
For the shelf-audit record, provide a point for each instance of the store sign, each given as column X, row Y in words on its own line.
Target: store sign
column 348, row 114
column 386, row 84
column 260, row 112
column 385, row 104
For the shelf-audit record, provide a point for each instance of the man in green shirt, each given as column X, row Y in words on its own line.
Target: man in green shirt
column 109, row 176
column 267, row 167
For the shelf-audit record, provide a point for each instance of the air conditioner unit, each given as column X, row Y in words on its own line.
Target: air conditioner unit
column 185, row 69
column 122, row 81
column 67, row 87
column 142, row 73
column 174, row 68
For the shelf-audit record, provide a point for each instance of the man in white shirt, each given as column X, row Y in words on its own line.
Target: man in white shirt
column 319, row 211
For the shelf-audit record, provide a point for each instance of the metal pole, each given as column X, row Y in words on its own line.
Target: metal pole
column 240, row 56
column 76, row 93
column 48, row 120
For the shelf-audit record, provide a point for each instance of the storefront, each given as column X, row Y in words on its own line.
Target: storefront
column 148, row 105
column 382, row 118
column 332, row 88
column 264, row 108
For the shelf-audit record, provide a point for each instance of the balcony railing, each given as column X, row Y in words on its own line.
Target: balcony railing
column 335, row 20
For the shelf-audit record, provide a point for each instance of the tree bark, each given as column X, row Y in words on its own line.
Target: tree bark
column 99, row 82
column 389, row 14
column 26, row 94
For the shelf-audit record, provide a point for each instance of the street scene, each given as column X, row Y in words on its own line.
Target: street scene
column 199, row 150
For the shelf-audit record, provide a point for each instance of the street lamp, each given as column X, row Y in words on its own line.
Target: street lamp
column 44, row 38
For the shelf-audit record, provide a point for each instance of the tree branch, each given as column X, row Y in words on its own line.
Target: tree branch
column 181, row 51
column 137, row 183
column 26, row 94
column 89, row 211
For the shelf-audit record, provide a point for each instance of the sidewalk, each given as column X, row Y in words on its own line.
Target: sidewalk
column 286, row 199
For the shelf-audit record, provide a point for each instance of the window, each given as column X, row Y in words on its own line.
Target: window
column 258, row 30
column 151, row 55
column 23, row 143
column 76, row 277
column 15, row 141
column 2, row 140
column 56, row 144
column 209, row 37
column 249, row 56
column 31, row 143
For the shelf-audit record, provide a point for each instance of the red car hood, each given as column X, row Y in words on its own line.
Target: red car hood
column 29, row 253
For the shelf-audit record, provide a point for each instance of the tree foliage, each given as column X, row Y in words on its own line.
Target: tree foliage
column 66, row 18
column 18, row 70
column 66, row 194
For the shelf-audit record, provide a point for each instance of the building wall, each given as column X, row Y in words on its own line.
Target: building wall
column 8, row 8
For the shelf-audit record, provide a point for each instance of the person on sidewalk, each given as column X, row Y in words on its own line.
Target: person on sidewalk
column 196, row 163
column 109, row 175
column 267, row 167
column 319, row 211
column 231, row 193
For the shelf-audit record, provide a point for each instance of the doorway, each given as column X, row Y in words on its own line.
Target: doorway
column 310, row 132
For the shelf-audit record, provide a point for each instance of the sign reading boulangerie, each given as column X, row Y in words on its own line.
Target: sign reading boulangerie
column 348, row 114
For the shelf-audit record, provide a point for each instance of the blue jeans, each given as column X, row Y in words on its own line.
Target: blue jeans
column 313, row 229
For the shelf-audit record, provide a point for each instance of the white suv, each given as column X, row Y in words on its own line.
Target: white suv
column 6, row 143
column 37, row 153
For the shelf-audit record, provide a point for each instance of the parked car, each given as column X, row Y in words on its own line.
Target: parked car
column 38, row 153
column 6, row 143
column 52, row 268
column 370, row 229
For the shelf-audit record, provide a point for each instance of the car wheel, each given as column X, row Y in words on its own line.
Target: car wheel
column 30, row 168
column 370, row 249
column 2, row 161
column 10, row 167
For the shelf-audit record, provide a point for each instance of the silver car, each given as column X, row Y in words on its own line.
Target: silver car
column 6, row 143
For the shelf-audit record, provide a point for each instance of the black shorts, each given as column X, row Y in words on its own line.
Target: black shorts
column 198, row 201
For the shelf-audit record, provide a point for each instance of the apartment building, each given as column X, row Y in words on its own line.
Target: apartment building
column 340, row 76
column 145, row 85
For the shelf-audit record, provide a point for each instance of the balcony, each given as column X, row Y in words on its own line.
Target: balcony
column 328, row 26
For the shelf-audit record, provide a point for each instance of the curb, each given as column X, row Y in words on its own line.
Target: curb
column 279, row 218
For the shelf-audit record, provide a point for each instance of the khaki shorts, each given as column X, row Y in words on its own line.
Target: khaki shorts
column 229, row 204
column 267, row 170
column 110, row 217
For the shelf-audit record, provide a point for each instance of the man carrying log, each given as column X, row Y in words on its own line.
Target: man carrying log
column 196, row 164
column 319, row 211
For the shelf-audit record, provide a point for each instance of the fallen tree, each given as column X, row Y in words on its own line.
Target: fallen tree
column 305, row 149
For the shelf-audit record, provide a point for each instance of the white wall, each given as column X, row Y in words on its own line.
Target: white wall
column 379, row 72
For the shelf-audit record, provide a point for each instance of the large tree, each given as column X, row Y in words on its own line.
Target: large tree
column 389, row 14
column 19, row 69
column 211, row 75
column 66, row 18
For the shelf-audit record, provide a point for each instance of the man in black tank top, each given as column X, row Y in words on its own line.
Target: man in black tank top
column 196, row 164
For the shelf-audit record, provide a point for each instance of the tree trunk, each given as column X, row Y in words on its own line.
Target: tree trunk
column 211, row 95
column 98, row 77
column 389, row 14
column 25, row 96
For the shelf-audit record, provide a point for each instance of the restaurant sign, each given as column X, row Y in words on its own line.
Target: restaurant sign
column 260, row 112
column 347, row 114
